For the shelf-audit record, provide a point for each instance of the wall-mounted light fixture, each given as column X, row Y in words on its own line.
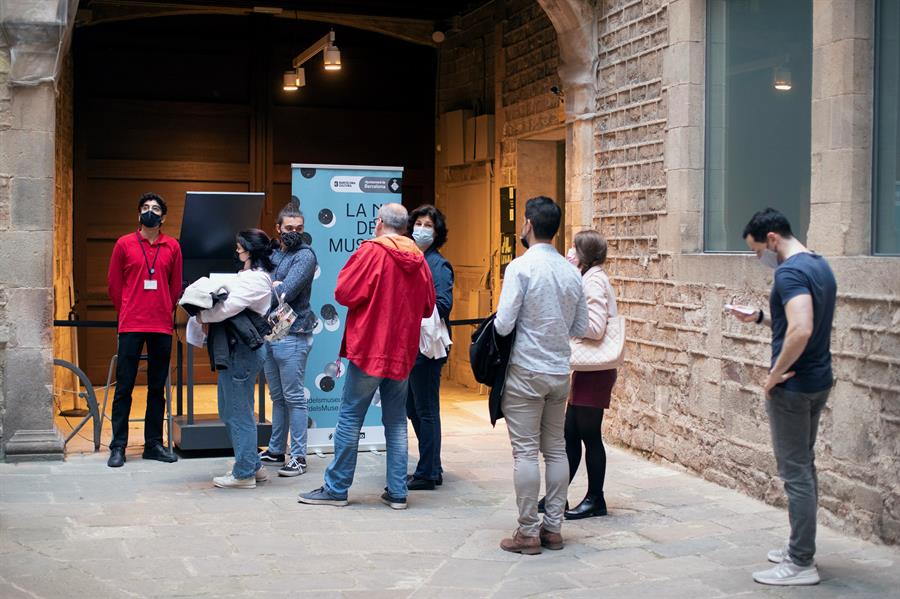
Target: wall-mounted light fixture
column 330, row 53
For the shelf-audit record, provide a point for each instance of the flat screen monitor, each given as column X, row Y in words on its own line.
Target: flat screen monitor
column 211, row 221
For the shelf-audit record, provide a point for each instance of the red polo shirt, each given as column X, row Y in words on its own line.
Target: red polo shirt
column 143, row 309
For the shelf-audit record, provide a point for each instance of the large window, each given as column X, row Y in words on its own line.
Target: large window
column 758, row 79
column 886, row 221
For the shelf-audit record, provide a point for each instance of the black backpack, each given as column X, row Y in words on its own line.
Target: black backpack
column 489, row 357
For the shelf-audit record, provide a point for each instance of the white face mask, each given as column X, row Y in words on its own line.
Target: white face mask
column 423, row 236
column 769, row 258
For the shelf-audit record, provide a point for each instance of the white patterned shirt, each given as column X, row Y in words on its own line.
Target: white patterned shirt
column 542, row 299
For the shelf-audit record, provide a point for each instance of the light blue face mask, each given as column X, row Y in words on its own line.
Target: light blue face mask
column 423, row 236
column 769, row 258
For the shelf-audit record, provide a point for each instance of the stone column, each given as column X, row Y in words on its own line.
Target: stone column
column 32, row 33
column 575, row 22
column 843, row 68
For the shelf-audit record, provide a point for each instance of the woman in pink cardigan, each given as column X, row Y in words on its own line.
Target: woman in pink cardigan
column 591, row 390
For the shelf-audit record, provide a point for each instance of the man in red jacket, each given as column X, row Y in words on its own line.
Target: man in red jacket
column 387, row 288
column 144, row 284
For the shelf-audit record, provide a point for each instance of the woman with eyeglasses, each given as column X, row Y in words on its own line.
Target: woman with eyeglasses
column 285, row 365
column 249, row 296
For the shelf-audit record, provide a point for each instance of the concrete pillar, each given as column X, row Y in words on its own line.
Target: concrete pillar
column 842, row 87
column 32, row 34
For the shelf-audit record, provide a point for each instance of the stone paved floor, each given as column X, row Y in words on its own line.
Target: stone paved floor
column 80, row 529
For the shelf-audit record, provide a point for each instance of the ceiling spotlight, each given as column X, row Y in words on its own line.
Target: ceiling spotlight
column 332, row 57
column 293, row 79
column 782, row 79
column 438, row 36
column 289, row 81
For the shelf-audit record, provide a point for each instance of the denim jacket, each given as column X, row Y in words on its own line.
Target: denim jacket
column 295, row 270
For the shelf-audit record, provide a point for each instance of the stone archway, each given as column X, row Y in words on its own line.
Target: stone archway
column 575, row 22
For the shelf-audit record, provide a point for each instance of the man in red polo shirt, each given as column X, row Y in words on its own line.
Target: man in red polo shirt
column 144, row 284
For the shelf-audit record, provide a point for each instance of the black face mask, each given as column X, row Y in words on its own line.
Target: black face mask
column 291, row 240
column 238, row 263
column 524, row 240
column 150, row 219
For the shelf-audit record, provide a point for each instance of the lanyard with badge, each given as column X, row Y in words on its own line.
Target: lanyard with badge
column 150, row 284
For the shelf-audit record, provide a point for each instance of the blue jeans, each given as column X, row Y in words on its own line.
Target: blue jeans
column 359, row 388
column 423, row 406
column 236, row 386
column 285, row 368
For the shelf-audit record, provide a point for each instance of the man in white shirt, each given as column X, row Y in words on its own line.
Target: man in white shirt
column 542, row 300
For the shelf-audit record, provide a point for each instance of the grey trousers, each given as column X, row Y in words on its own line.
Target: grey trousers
column 794, row 421
column 534, row 406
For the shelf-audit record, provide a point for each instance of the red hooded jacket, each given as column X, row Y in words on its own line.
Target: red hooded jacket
column 387, row 288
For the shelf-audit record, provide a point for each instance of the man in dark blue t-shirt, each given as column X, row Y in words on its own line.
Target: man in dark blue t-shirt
column 802, row 310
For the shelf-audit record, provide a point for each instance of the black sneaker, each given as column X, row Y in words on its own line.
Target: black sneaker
column 419, row 484
column 295, row 467
column 271, row 458
column 396, row 503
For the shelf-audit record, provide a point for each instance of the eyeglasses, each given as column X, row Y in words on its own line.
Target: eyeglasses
column 291, row 229
column 154, row 209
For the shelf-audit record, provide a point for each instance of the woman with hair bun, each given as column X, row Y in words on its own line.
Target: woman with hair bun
column 251, row 291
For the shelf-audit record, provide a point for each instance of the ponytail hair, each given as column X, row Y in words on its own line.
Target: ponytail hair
column 259, row 246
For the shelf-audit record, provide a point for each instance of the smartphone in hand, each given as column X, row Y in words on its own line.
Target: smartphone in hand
column 742, row 310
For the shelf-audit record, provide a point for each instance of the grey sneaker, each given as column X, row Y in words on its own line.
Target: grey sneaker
column 230, row 482
column 261, row 475
column 788, row 574
column 776, row 556
column 295, row 467
column 321, row 496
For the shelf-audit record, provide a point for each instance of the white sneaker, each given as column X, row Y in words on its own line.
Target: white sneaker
column 230, row 482
column 776, row 556
column 261, row 475
column 788, row 574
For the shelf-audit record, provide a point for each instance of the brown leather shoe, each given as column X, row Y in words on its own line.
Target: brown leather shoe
column 520, row 543
column 551, row 540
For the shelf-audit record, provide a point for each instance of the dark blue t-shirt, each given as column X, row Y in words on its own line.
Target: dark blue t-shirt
column 805, row 274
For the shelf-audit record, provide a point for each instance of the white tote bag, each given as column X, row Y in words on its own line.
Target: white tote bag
column 600, row 354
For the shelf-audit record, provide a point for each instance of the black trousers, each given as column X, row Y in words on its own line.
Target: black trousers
column 159, row 350
column 583, row 426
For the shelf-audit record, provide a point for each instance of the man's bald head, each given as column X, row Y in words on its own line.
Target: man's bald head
column 393, row 218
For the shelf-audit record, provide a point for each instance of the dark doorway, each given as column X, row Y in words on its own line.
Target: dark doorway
column 195, row 102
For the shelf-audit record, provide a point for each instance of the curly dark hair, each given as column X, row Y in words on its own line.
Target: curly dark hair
column 436, row 216
column 259, row 245
column 153, row 196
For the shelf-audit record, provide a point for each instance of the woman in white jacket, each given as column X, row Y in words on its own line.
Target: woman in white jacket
column 251, row 290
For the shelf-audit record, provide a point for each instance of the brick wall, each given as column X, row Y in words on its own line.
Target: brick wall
column 690, row 392
column 466, row 59
column 531, row 61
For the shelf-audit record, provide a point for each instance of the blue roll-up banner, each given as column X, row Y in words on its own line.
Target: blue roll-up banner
column 340, row 205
